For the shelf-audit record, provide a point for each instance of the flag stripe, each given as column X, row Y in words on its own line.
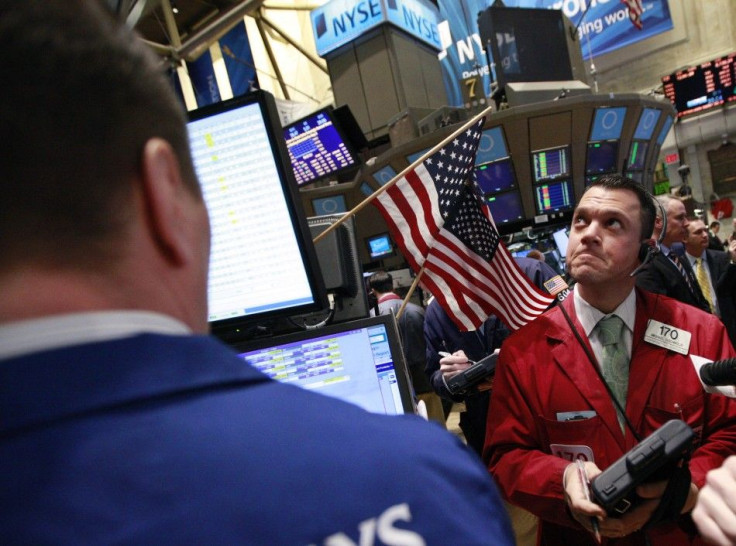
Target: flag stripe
column 440, row 224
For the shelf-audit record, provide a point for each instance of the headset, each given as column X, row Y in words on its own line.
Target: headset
column 650, row 248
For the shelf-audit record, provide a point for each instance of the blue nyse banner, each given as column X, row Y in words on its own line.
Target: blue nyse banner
column 604, row 26
column 238, row 59
column 204, row 83
column 339, row 22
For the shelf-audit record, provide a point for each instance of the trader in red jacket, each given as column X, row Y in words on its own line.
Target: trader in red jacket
column 550, row 405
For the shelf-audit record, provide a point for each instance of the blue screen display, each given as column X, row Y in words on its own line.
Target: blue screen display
column 316, row 149
column 491, row 147
column 647, row 122
column 380, row 245
column 411, row 158
column 601, row 157
column 608, row 123
column 329, row 205
column 554, row 197
column 495, row 177
column 665, row 129
column 637, row 155
column 384, row 174
column 506, row 207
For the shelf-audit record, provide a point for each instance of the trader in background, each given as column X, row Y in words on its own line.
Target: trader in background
column 411, row 329
column 715, row 273
column 122, row 422
column 669, row 273
column 591, row 377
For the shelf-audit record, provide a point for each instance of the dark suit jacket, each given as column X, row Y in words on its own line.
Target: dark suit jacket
column 175, row 440
column 662, row 277
column 723, row 276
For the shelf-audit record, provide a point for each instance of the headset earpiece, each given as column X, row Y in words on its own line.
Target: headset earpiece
column 649, row 248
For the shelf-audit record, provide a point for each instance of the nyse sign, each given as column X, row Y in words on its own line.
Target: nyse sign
column 339, row 22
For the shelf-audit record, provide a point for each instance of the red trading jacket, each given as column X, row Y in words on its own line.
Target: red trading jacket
column 543, row 371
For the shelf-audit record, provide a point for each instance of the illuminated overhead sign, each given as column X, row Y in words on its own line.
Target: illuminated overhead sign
column 339, row 22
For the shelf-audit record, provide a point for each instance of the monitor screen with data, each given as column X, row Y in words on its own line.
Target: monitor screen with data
column 360, row 362
column 262, row 262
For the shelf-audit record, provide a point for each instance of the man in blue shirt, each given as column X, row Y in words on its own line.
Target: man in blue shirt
column 122, row 421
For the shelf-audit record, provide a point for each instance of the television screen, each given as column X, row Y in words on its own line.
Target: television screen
column 318, row 148
column 495, row 177
column 491, row 146
column 701, row 87
column 637, row 155
column 360, row 362
column 665, row 129
column 647, row 122
column 561, row 239
column 506, row 207
column 608, row 123
column 601, row 157
column 329, row 205
column 384, row 174
column 411, row 158
column 551, row 164
column 262, row 263
column 380, row 246
column 554, row 197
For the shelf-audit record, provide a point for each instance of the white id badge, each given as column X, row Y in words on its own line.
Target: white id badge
column 668, row 337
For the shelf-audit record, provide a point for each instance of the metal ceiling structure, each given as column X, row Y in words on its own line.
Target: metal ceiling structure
column 182, row 30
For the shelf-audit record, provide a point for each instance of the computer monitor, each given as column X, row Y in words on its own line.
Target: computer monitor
column 262, row 263
column 554, row 197
column 339, row 262
column 360, row 362
column 318, row 148
column 491, row 147
column 637, row 155
column 379, row 246
column 601, row 157
column 506, row 207
column 333, row 204
column 561, row 238
column 551, row 164
column 495, row 177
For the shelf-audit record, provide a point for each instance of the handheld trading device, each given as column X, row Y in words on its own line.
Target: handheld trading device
column 654, row 459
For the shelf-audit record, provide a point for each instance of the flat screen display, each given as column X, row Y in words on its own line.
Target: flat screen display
column 637, row 155
column 358, row 361
column 665, row 129
column 380, row 246
column 647, row 122
column 329, row 205
column 608, row 123
column 262, row 262
column 411, row 158
column 492, row 146
column 554, row 197
column 495, row 177
column 551, row 163
column 601, row 157
column 561, row 239
column 701, row 87
column 317, row 148
column 506, row 207
column 384, row 174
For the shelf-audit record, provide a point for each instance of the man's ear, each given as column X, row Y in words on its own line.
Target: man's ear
column 163, row 189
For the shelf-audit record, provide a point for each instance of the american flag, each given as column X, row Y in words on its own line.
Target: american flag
column 439, row 222
column 635, row 10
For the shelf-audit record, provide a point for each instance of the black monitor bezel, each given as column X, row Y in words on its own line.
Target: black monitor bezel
column 568, row 158
column 349, row 144
column 240, row 326
column 569, row 181
column 400, row 365
column 383, row 234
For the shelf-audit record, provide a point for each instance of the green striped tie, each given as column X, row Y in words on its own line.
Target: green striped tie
column 615, row 360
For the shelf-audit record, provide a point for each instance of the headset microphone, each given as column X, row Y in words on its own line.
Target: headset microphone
column 650, row 248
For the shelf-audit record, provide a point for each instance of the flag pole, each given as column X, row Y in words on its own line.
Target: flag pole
column 360, row 206
column 410, row 292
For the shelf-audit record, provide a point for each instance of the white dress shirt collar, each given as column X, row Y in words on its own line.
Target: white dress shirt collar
column 54, row 332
